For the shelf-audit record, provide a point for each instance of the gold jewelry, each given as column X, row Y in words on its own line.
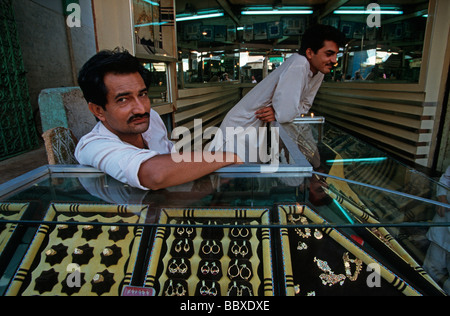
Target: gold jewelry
column 233, row 287
column 173, row 267
column 183, row 268
column 213, row 291
column 241, row 232
column 205, row 268
column 240, row 250
column 236, row 249
column 206, row 252
column 299, row 231
column 233, row 234
column 323, row 265
column 244, row 235
column 98, row 278
column 204, row 290
column 78, row 251
column 180, row 231
column 331, row 279
column 178, row 247
column 186, row 247
column 189, row 231
column 318, row 234
column 230, row 274
column 51, row 252
column 170, row 291
column 244, row 287
column 245, row 251
column 348, row 272
column 244, row 267
column 181, row 292
column 107, row 252
column 302, row 246
column 215, row 270
column 215, row 249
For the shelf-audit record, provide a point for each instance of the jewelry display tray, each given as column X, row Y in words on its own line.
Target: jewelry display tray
column 37, row 275
column 258, row 244
column 302, row 275
column 10, row 212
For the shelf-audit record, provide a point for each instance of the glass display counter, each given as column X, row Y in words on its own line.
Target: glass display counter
column 359, row 223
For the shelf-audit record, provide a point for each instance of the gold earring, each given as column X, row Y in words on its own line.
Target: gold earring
column 244, row 267
column 230, row 274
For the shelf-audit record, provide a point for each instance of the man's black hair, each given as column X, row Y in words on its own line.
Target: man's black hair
column 316, row 36
column 119, row 61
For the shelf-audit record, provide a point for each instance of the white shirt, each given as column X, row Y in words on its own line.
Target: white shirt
column 290, row 89
column 105, row 151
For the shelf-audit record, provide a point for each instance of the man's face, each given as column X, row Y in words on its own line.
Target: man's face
column 325, row 59
column 128, row 106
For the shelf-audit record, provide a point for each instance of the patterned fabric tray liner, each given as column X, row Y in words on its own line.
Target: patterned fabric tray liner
column 42, row 274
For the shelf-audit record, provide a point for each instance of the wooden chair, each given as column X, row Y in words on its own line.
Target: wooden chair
column 60, row 144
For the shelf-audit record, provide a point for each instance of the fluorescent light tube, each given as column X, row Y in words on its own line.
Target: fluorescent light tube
column 199, row 17
column 392, row 12
column 275, row 12
column 152, row 2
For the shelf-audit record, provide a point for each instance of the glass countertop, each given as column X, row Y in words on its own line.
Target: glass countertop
column 345, row 187
column 351, row 184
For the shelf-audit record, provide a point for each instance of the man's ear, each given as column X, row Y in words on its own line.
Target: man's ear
column 309, row 53
column 97, row 110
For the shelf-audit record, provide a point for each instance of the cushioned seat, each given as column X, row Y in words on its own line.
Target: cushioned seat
column 60, row 144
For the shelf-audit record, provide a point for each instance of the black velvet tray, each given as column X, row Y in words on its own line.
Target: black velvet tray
column 303, row 276
column 211, row 255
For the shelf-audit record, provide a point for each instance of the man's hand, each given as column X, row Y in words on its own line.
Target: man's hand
column 266, row 114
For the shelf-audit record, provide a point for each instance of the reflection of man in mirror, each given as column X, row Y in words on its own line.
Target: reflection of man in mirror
column 437, row 261
column 287, row 92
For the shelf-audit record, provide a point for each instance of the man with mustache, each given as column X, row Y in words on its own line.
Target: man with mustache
column 130, row 141
column 287, row 92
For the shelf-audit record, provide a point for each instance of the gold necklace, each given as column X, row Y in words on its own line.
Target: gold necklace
column 348, row 271
column 304, row 221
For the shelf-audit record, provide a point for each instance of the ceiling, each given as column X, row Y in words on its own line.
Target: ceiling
column 321, row 8
column 235, row 5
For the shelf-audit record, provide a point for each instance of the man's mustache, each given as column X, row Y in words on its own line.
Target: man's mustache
column 138, row 116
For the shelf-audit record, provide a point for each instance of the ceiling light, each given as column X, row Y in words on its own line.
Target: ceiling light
column 264, row 10
column 198, row 17
column 362, row 10
column 152, row 2
column 275, row 12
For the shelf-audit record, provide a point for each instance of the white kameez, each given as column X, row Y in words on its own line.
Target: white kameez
column 105, row 151
column 290, row 89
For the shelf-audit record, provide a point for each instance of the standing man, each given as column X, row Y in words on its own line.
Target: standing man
column 130, row 141
column 287, row 92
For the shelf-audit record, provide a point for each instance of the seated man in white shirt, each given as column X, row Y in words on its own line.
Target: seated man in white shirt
column 130, row 141
column 286, row 93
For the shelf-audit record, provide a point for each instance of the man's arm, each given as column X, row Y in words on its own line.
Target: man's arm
column 163, row 171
